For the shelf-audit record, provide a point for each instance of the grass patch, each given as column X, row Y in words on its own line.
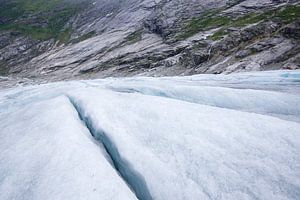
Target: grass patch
column 289, row 13
column 133, row 37
column 211, row 20
column 251, row 18
column 3, row 68
column 208, row 21
column 218, row 35
column 286, row 15
column 12, row 9
column 33, row 32
column 24, row 16
column 129, row 39
column 64, row 36
column 84, row 37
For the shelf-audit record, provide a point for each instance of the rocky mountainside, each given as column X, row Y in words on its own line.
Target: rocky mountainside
column 71, row 39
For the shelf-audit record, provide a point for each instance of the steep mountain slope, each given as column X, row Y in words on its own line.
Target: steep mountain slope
column 64, row 39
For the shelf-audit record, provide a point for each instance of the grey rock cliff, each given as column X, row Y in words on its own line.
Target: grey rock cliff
column 104, row 38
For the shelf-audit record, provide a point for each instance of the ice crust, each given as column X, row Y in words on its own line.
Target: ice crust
column 198, row 137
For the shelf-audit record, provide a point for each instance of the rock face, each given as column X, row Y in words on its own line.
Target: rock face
column 55, row 40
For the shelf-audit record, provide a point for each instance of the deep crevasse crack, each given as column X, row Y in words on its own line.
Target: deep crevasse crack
column 133, row 179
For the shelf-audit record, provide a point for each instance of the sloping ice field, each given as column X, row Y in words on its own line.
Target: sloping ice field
column 196, row 137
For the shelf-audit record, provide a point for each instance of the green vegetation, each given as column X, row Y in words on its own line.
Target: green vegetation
column 34, row 32
column 37, row 5
column 212, row 20
column 12, row 9
column 289, row 13
column 3, row 68
column 286, row 15
column 64, row 36
column 83, row 37
column 218, row 35
column 129, row 39
column 38, row 19
column 209, row 20
column 251, row 18
column 133, row 37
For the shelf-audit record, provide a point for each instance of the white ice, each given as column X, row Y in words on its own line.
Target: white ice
column 47, row 153
column 198, row 137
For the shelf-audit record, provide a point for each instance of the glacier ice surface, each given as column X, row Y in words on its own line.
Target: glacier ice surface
column 196, row 137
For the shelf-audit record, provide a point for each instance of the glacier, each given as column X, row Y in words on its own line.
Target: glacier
column 194, row 137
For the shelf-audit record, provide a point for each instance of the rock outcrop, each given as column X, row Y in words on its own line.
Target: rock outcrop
column 56, row 40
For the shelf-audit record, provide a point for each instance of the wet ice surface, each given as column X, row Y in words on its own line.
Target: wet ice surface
column 198, row 137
